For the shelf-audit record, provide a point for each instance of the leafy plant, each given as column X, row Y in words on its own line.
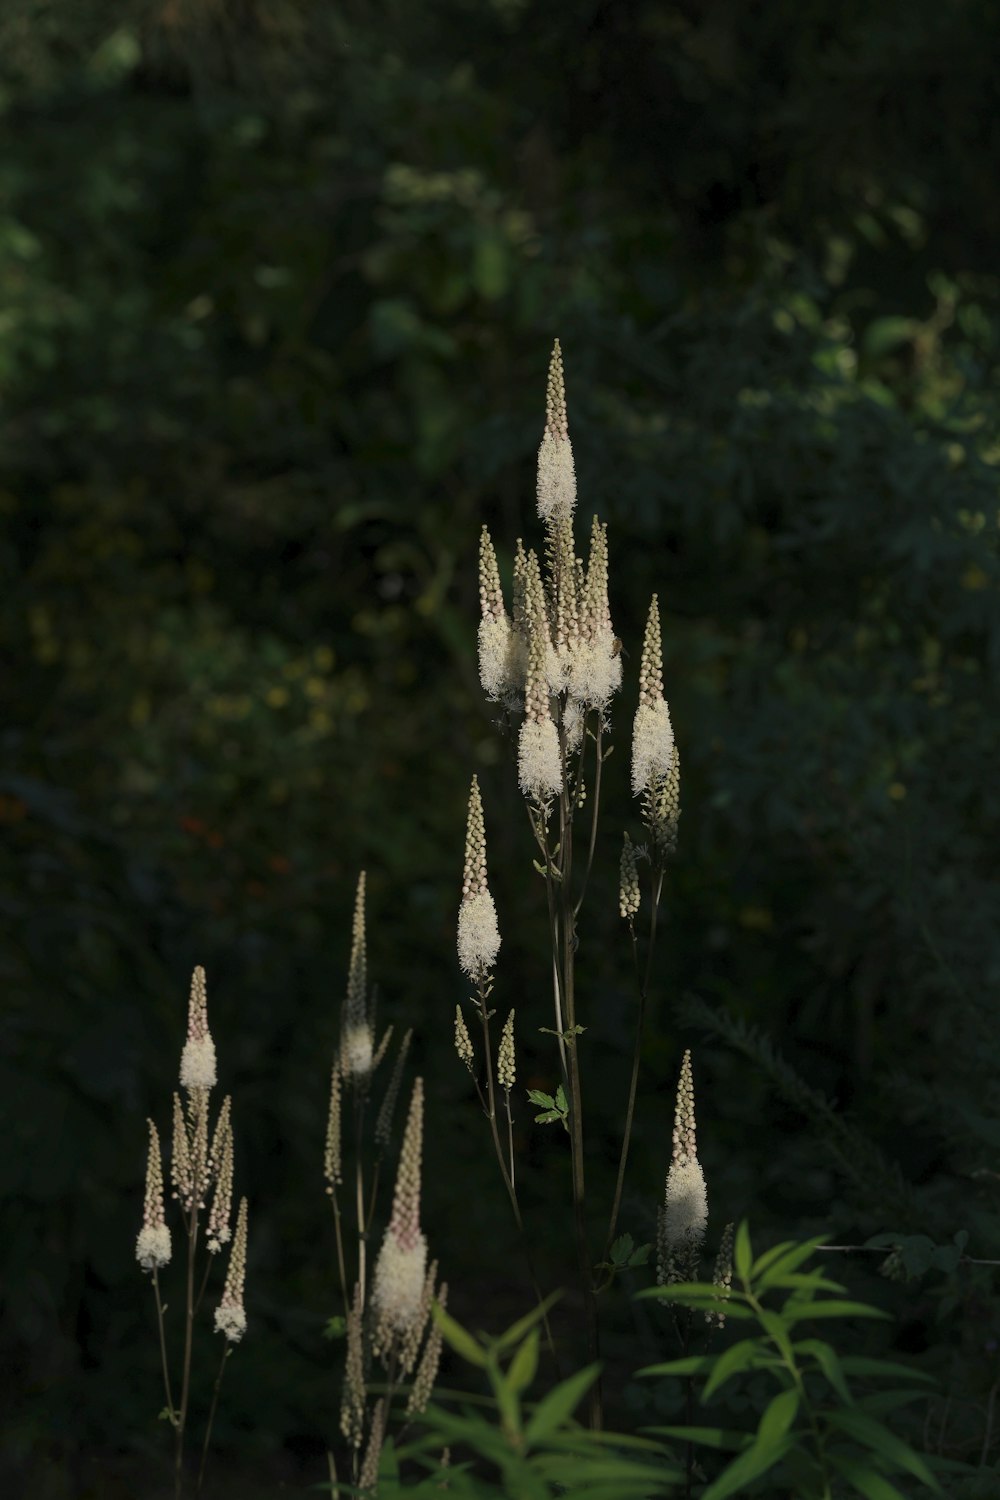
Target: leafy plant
column 816, row 1430
column 530, row 1450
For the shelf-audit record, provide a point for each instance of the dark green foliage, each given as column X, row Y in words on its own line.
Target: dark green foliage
column 278, row 285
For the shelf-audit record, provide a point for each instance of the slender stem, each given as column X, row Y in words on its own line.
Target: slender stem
column 163, row 1349
column 508, row 1178
column 211, row 1417
column 540, row 831
column 373, row 1195
column 204, row 1284
column 636, row 1057
column 359, row 1188
column 567, row 924
column 594, row 810
column 188, row 1334
column 510, row 1138
column 335, row 1205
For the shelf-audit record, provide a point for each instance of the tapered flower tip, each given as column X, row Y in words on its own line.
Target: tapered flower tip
column 198, row 1067
column 398, row 1289
column 556, row 487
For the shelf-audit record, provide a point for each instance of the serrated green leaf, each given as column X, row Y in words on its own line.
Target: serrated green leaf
column 544, row 1101
column 561, row 1104
column 335, row 1327
column 549, row 1118
column 559, row 1405
column 622, row 1249
column 640, row 1256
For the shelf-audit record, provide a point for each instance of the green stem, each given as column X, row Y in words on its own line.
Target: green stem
column 636, row 1057
column 340, row 1246
column 595, row 808
column 188, row 1337
column 508, row 1178
column 568, row 952
column 163, row 1350
column 211, row 1418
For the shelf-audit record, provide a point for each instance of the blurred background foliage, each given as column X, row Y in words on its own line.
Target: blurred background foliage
column 278, row 286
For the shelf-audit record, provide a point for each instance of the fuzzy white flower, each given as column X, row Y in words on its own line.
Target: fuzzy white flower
column 356, row 1051
column 653, row 746
column 230, row 1316
column 496, row 649
column 539, row 764
column 686, row 1205
column 398, row 1289
column 198, row 1069
column 478, row 933
column 152, row 1248
column 400, row 1271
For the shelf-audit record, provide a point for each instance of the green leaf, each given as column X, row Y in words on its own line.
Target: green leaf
column 549, row 1117
column 640, row 1256
column 917, row 1253
column 711, row 1437
column 559, row 1404
column 544, row 1101
column 795, row 1311
column 743, row 1252
column 829, row 1363
column 690, row 1364
column 517, row 1331
column 860, row 1364
column 561, row 1104
column 867, row 1482
column 506, row 1397
column 784, row 1258
column 731, row 1361
column 456, row 1336
column 771, row 1444
column 335, row 1328
column 622, row 1249
column 521, row 1371
column 867, row 1430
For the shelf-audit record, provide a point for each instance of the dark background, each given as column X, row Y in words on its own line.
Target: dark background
column 278, row 286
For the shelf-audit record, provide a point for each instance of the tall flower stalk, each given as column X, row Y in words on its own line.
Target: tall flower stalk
column 196, row 1171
